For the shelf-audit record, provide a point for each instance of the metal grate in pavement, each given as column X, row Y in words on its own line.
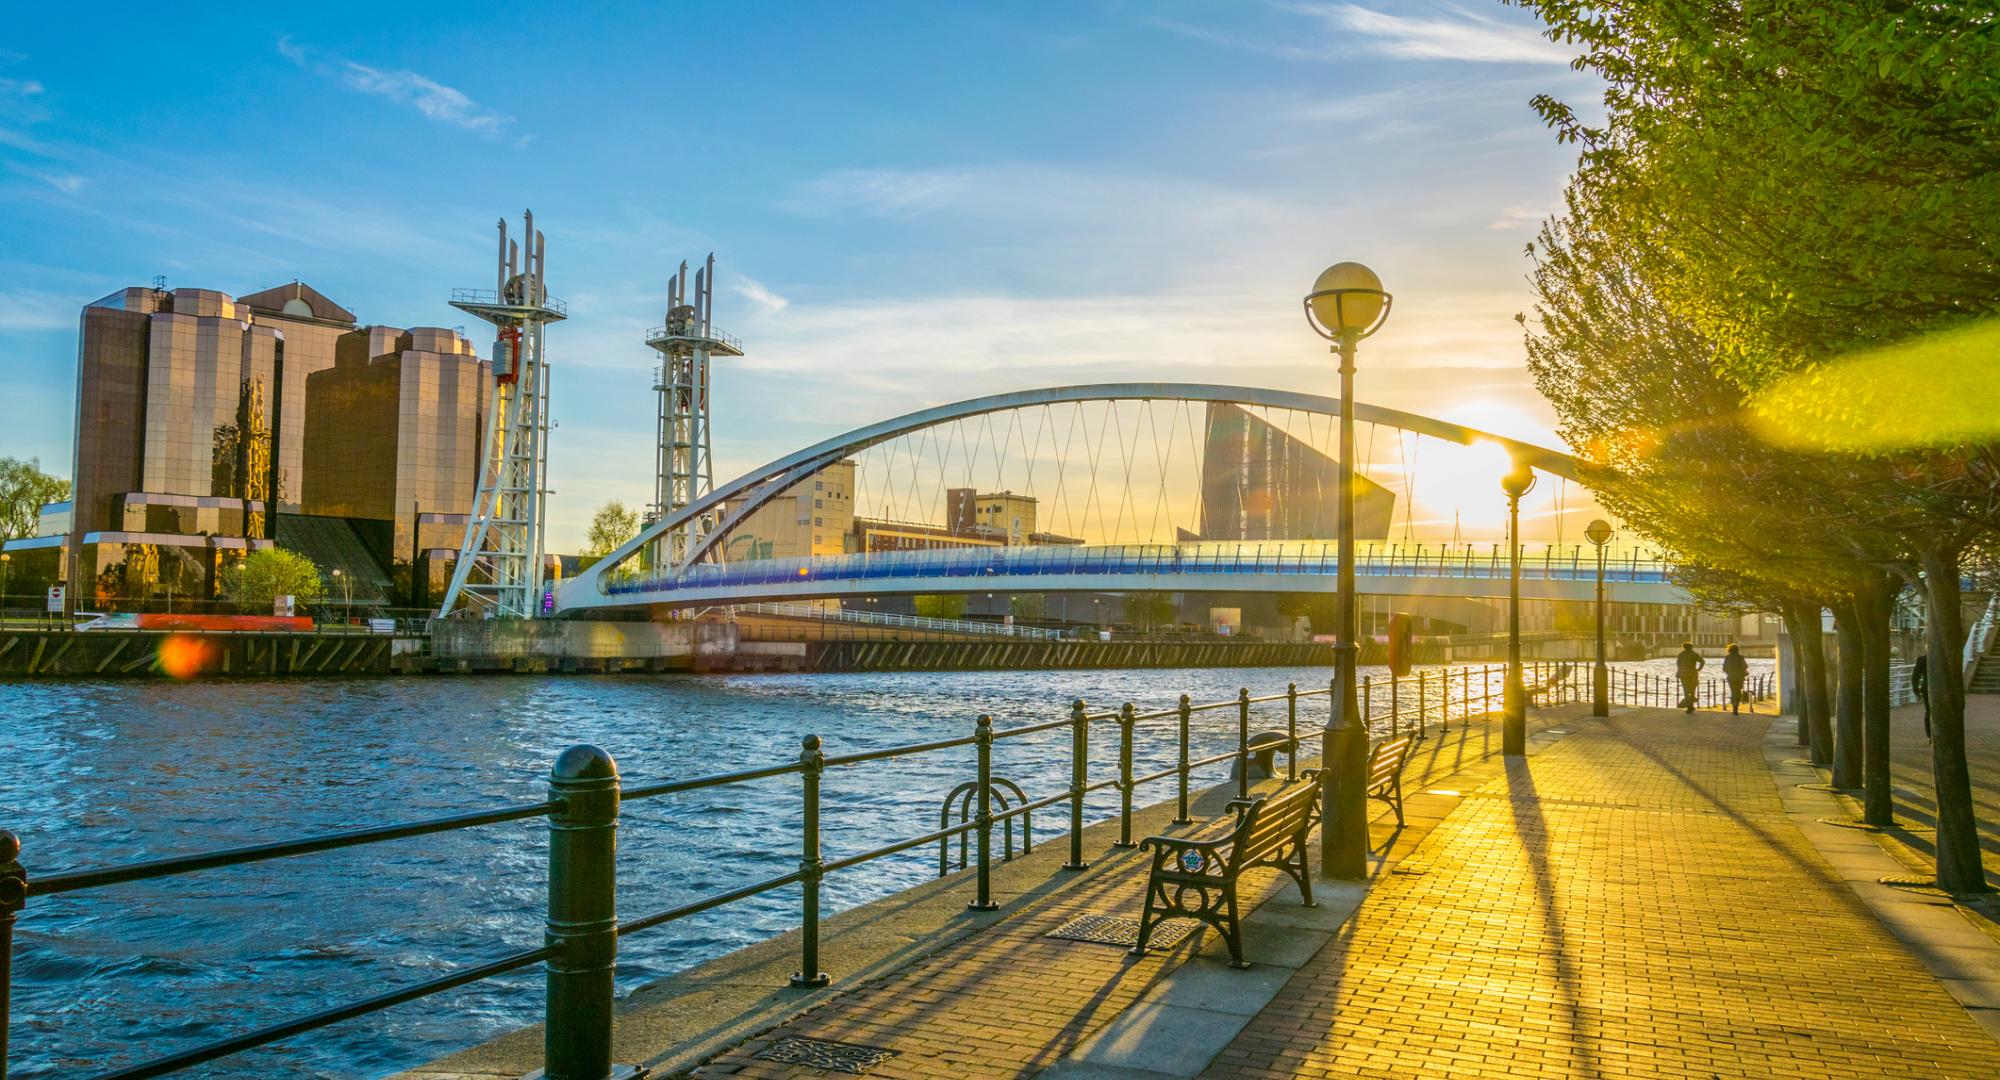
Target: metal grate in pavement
column 1104, row 929
column 825, row 1054
column 1816, row 787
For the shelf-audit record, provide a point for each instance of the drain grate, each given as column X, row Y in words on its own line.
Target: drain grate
column 1121, row 930
column 1909, row 881
column 1807, row 762
column 825, row 1054
column 1816, row 787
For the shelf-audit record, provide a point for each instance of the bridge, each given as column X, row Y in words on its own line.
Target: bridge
column 1120, row 490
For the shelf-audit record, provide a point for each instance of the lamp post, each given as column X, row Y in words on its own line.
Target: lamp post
column 1598, row 533
column 6, row 564
column 1346, row 304
column 1514, row 718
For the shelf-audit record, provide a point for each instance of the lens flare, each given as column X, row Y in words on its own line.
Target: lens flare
column 184, row 656
column 1934, row 391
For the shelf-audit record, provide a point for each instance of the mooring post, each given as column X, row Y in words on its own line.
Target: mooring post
column 1186, row 710
column 583, row 916
column 1079, row 759
column 812, row 763
column 984, row 822
column 1126, row 718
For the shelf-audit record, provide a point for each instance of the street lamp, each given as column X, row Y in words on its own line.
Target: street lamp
column 1598, row 533
column 1514, row 718
column 6, row 564
column 1346, row 304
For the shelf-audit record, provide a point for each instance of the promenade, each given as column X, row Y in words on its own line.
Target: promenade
column 1636, row 898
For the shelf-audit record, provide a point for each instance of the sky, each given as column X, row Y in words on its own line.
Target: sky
column 911, row 203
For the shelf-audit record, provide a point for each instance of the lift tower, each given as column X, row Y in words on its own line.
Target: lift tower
column 499, row 567
column 685, row 343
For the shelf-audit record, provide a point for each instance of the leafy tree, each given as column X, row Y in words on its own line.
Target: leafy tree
column 942, row 606
column 610, row 528
column 1149, row 609
column 254, row 581
column 24, row 490
column 1027, row 605
column 1797, row 208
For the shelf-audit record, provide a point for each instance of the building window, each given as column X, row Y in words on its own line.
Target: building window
column 819, row 485
column 819, row 504
column 819, row 523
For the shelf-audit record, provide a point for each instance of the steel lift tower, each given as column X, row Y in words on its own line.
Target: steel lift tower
column 686, row 344
column 499, row 568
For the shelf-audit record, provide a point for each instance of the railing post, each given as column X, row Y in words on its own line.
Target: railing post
column 1243, row 742
column 1292, row 731
column 812, row 763
column 1125, row 722
column 983, row 735
column 1395, row 705
column 1079, row 778
column 1367, row 700
column 13, row 894
column 583, row 916
column 1186, row 713
column 1423, row 701
column 1444, row 702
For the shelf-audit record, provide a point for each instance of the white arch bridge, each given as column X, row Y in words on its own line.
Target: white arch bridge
column 624, row 580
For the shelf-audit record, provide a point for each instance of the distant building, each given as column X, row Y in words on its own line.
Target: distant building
column 1259, row 483
column 812, row 517
column 195, row 444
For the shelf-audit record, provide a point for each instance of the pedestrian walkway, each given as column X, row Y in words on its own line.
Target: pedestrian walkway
column 1628, row 901
column 1631, row 902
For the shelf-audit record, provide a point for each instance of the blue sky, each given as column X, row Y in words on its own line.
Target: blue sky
column 911, row 203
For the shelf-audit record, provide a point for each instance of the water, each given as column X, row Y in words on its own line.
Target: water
column 113, row 771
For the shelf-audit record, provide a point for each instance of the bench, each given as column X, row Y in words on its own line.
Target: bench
column 1385, row 771
column 1196, row 879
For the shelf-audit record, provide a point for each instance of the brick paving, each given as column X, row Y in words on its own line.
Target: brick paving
column 1630, row 902
column 1008, row 1002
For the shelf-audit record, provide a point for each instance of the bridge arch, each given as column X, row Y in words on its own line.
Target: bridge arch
column 746, row 493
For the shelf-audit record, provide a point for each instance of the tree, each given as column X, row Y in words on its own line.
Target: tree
column 1029, row 606
column 24, row 490
column 254, row 581
column 1149, row 609
column 610, row 529
column 941, row 606
column 1797, row 206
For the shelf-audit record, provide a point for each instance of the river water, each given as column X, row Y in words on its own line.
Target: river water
column 107, row 772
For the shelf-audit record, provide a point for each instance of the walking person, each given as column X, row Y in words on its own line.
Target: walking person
column 1920, row 685
column 1736, row 669
column 1688, row 666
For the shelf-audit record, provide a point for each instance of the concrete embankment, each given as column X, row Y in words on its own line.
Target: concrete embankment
column 580, row 647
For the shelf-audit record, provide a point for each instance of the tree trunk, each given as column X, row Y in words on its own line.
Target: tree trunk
column 1847, row 697
column 1958, row 867
column 1812, row 656
column 1815, row 729
column 1873, row 603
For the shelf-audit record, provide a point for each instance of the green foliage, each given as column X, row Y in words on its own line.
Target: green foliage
column 24, row 490
column 253, row 582
column 1149, row 609
column 946, row 606
column 610, row 528
column 1318, row 608
column 1026, row 605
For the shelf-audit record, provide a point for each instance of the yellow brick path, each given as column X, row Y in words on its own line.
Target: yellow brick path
column 1630, row 902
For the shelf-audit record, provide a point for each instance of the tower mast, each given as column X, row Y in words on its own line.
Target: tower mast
column 686, row 343
column 499, row 567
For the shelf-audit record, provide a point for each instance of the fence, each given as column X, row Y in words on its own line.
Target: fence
column 585, row 794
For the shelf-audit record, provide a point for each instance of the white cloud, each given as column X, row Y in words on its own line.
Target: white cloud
column 1523, row 217
column 1456, row 34
column 882, row 193
column 751, row 289
column 435, row 100
column 37, row 311
column 21, row 87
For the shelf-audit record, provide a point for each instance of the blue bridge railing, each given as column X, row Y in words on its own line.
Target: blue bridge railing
column 1308, row 558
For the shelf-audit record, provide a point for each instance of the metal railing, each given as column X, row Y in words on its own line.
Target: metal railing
column 585, row 794
column 490, row 298
column 1300, row 558
column 892, row 619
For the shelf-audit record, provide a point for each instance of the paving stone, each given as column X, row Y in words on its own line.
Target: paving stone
column 1204, row 983
column 1172, row 1040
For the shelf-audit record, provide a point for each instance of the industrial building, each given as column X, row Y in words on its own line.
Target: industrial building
column 209, row 425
